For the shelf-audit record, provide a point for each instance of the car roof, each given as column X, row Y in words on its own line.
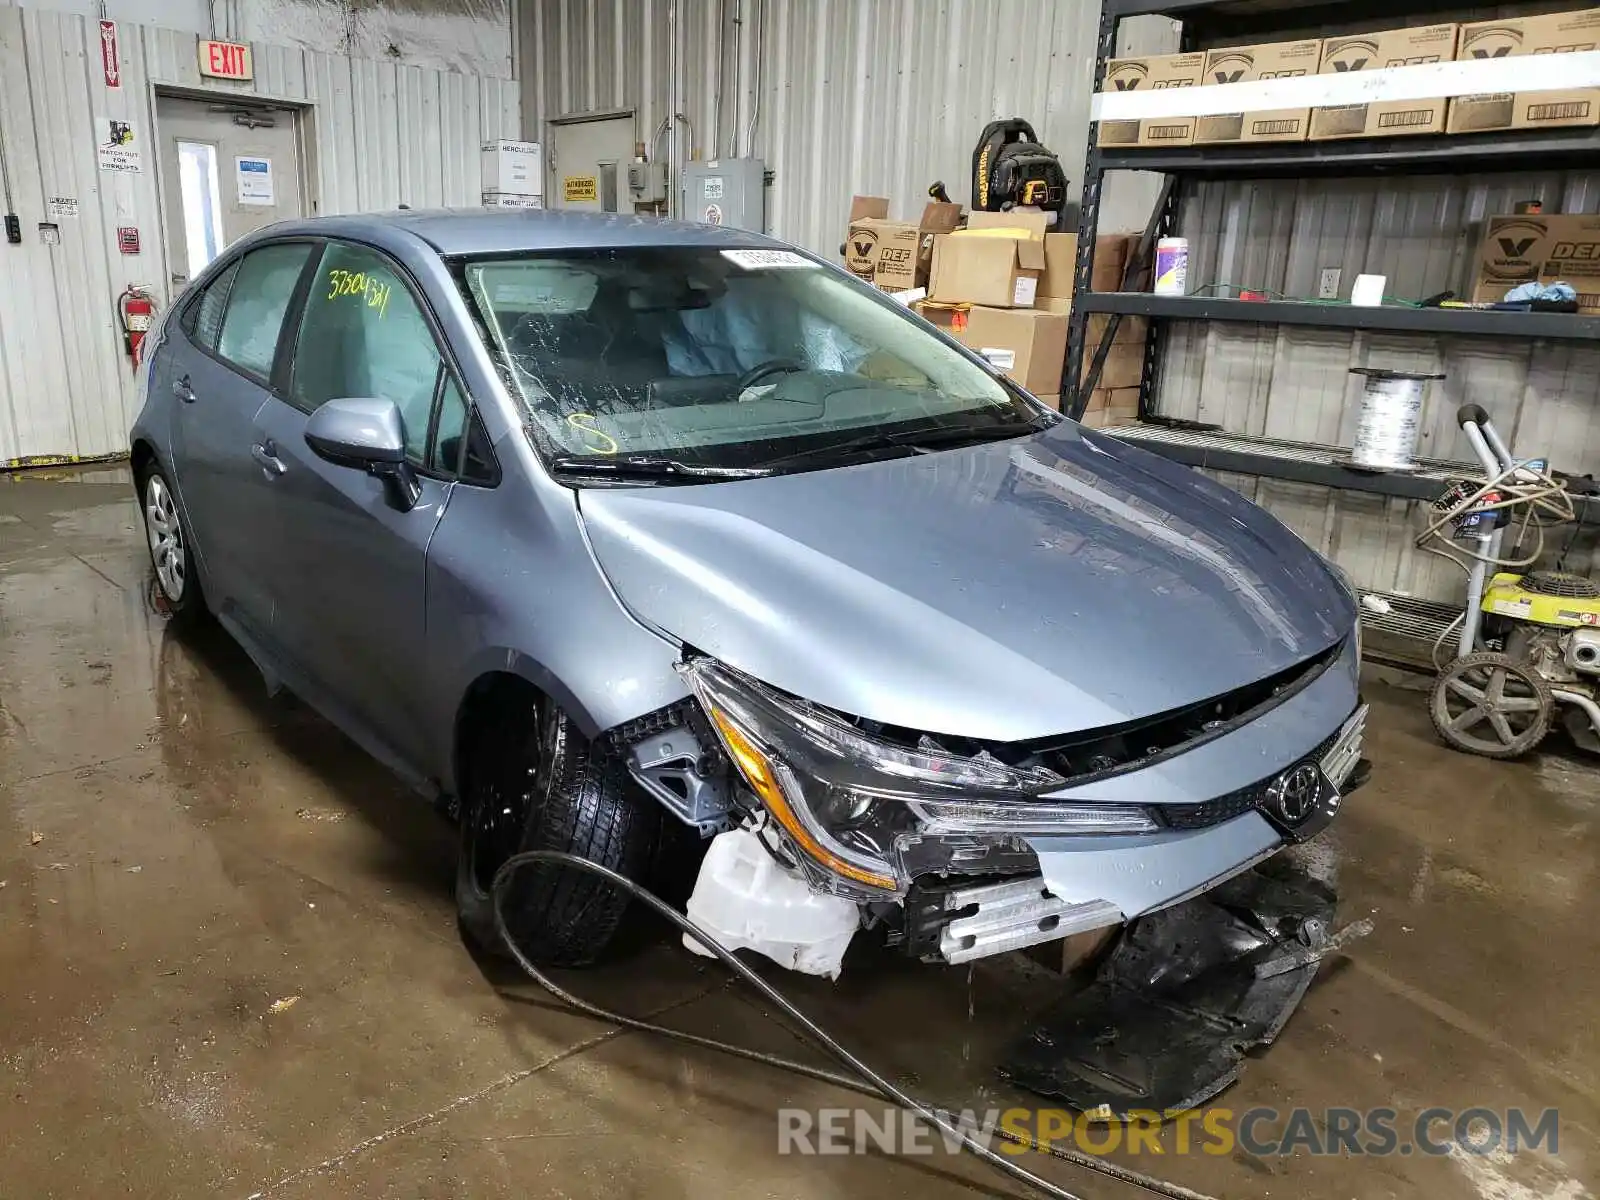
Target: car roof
column 472, row 231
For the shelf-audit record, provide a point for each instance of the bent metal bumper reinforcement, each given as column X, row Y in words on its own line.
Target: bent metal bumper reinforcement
column 1009, row 916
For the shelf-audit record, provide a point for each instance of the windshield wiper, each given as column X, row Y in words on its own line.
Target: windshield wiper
column 922, row 439
column 638, row 466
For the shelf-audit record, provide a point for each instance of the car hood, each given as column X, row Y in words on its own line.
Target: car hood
column 1005, row 591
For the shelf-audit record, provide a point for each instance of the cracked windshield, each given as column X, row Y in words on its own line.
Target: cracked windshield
column 696, row 360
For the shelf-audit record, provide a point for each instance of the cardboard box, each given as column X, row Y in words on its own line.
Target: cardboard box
column 995, row 261
column 513, row 167
column 1124, row 365
column 1029, row 347
column 1149, row 74
column 1060, row 265
column 894, row 255
column 1131, row 331
column 1110, row 407
column 1248, row 64
column 1110, row 256
column 883, row 252
column 1055, row 304
column 1050, row 401
column 1573, row 256
column 1521, row 249
column 1558, row 33
column 951, row 318
column 1373, row 52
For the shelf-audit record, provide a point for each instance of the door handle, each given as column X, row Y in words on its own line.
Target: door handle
column 182, row 390
column 265, row 454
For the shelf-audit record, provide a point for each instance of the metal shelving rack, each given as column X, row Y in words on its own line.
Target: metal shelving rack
column 1209, row 23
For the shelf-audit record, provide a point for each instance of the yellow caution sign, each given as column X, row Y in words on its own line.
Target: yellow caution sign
column 578, row 188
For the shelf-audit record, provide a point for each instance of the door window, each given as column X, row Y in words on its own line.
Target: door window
column 260, row 296
column 201, row 200
column 363, row 334
column 202, row 320
column 460, row 447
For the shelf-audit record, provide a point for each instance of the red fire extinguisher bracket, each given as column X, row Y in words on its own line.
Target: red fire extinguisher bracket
column 136, row 311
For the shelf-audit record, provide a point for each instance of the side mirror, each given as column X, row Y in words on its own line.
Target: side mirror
column 357, row 432
column 366, row 433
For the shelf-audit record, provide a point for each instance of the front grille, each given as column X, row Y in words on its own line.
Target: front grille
column 1213, row 812
column 1225, row 808
column 1097, row 753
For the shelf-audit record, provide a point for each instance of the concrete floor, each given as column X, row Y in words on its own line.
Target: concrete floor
column 181, row 858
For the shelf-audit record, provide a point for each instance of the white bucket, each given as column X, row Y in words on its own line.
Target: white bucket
column 1390, row 421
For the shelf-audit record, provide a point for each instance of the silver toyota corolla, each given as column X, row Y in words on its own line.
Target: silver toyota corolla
column 594, row 525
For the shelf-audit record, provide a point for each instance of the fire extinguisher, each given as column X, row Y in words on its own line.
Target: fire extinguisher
column 136, row 310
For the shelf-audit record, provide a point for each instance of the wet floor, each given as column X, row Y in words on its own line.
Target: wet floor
column 229, row 963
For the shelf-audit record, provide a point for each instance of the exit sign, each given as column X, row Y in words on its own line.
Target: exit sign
column 226, row 60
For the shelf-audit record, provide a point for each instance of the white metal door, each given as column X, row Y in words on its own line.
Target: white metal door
column 588, row 162
column 227, row 169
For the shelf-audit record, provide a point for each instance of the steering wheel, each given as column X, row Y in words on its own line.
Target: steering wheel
column 773, row 366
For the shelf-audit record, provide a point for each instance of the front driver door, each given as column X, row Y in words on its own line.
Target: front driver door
column 350, row 566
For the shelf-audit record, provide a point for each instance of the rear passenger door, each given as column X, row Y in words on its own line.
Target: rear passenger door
column 349, row 566
column 230, row 334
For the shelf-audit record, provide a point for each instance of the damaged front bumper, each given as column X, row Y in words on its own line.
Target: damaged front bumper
column 1091, row 883
column 965, row 857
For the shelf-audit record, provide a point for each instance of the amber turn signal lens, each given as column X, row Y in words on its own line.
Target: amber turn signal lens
column 758, row 774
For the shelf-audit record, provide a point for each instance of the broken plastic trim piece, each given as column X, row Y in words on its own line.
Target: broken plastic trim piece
column 1185, row 996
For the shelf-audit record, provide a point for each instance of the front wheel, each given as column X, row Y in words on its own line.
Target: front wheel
column 171, row 547
column 531, row 781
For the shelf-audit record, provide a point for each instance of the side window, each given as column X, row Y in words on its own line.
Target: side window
column 446, row 454
column 363, row 334
column 202, row 320
column 460, row 446
column 262, row 288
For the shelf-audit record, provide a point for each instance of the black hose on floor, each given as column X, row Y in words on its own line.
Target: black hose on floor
column 862, row 1079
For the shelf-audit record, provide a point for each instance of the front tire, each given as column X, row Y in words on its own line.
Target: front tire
column 532, row 782
column 171, row 547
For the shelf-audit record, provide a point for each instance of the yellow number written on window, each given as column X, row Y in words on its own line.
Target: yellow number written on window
column 358, row 283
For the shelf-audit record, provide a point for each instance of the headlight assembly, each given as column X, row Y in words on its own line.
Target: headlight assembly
column 856, row 807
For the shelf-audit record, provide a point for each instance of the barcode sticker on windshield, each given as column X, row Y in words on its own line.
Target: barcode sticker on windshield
column 765, row 260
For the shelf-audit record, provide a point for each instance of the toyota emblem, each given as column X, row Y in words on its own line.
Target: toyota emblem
column 1294, row 794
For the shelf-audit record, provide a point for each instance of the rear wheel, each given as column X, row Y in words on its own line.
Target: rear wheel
column 171, row 548
column 531, row 781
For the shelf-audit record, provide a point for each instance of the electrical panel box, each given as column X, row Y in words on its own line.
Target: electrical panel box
column 647, row 182
column 727, row 191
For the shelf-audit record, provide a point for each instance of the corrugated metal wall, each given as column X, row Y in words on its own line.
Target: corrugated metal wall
column 1373, row 537
column 377, row 134
column 1420, row 233
column 1295, row 384
column 878, row 98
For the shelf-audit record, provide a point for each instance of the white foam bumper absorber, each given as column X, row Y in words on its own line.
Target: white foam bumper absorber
column 748, row 900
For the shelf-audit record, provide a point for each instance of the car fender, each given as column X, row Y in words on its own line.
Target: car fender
column 514, row 590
